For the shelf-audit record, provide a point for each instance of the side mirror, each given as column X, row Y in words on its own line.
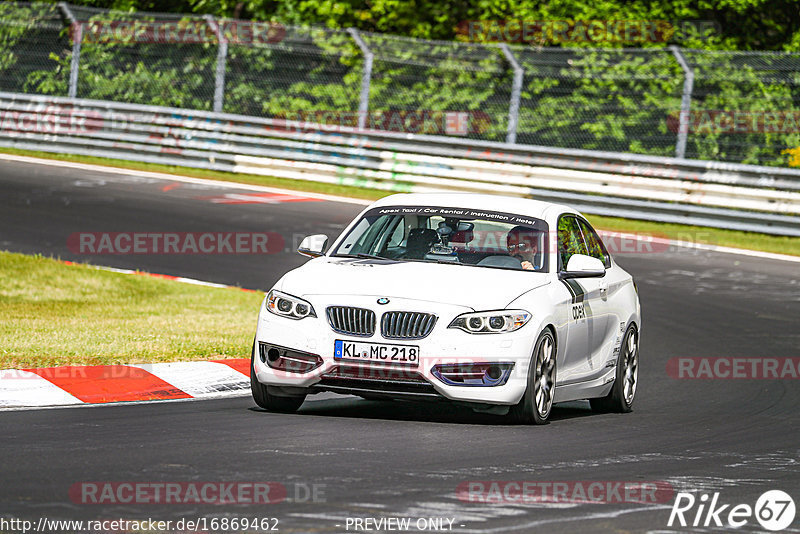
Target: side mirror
column 313, row 246
column 582, row 266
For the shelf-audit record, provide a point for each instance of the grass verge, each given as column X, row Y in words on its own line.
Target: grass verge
column 56, row 314
column 696, row 234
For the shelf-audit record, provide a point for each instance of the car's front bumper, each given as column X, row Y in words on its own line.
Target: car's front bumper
column 443, row 345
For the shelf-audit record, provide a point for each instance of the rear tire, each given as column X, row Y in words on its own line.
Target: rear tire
column 537, row 402
column 263, row 398
column 620, row 398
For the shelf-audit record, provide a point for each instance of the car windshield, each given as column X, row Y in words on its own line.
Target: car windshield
column 449, row 235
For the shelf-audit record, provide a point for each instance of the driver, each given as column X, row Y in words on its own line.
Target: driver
column 523, row 244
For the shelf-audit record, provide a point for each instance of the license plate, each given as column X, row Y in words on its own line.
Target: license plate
column 376, row 352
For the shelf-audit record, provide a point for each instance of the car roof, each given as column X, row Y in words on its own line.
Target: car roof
column 478, row 201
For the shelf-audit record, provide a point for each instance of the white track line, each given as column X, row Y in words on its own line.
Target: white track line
column 183, row 179
column 239, row 393
column 707, row 247
column 362, row 202
column 161, row 276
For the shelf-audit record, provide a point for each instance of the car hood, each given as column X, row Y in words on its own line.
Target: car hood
column 479, row 288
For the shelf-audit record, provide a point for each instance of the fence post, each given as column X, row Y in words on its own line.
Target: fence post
column 222, row 58
column 77, row 38
column 516, row 91
column 366, row 78
column 686, row 102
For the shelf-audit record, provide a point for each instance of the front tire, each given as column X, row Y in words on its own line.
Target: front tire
column 263, row 398
column 537, row 403
column 620, row 398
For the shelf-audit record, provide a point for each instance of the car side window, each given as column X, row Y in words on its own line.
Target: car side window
column 594, row 244
column 570, row 240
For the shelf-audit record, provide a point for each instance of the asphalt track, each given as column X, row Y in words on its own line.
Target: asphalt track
column 380, row 459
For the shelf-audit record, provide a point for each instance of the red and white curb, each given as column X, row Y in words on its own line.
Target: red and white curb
column 156, row 275
column 101, row 384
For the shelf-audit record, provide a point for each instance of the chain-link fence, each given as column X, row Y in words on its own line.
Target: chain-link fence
column 615, row 100
column 727, row 106
column 33, row 48
column 763, row 87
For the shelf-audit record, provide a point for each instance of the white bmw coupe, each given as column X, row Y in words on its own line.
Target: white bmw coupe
column 507, row 305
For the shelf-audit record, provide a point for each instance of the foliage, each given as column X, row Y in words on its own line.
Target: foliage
column 573, row 96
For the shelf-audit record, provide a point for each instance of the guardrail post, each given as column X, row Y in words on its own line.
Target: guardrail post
column 686, row 102
column 77, row 38
column 366, row 78
column 516, row 91
column 222, row 58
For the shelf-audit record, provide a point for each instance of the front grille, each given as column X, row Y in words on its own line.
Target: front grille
column 407, row 325
column 381, row 374
column 358, row 380
column 351, row 321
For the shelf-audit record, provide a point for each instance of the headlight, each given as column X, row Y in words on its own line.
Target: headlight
column 491, row 322
column 288, row 306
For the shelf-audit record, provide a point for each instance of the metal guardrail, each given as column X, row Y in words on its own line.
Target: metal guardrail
column 732, row 196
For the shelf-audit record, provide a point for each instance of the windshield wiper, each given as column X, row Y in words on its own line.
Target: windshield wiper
column 432, row 260
column 363, row 256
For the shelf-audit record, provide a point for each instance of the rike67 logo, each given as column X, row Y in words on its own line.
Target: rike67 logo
column 774, row 510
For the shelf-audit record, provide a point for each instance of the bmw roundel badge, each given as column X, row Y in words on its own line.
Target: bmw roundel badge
column 383, row 300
